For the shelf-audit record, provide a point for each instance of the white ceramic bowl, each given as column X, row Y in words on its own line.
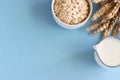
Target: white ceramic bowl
column 68, row 26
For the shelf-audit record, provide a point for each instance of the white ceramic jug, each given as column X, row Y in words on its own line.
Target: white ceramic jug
column 107, row 53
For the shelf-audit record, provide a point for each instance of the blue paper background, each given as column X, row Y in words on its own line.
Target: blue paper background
column 34, row 47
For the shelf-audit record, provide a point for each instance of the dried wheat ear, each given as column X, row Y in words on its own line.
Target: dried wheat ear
column 109, row 20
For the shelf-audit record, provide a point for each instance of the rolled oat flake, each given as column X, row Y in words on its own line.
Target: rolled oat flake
column 71, row 11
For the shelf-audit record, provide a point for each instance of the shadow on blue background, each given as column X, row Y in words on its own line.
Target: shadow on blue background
column 42, row 13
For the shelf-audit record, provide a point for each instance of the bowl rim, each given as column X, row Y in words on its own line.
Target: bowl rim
column 79, row 24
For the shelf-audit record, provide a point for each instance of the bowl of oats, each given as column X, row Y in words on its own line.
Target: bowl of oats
column 71, row 14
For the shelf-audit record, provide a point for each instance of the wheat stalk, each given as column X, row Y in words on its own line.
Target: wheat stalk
column 109, row 15
column 102, row 10
column 105, row 2
column 101, row 27
column 112, row 13
column 116, row 30
column 111, row 26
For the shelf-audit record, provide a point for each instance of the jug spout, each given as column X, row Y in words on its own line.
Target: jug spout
column 95, row 47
